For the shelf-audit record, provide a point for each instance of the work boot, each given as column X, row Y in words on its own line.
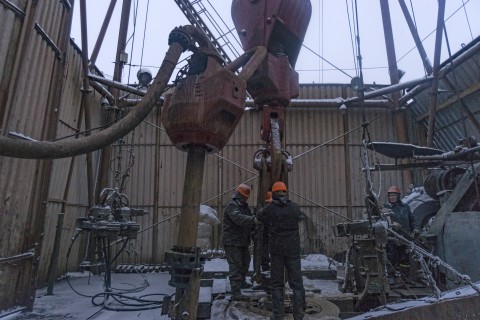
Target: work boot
column 236, row 292
column 277, row 304
column 298, row 304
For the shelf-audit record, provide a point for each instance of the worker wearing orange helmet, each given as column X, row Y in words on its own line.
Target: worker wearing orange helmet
column 238, row 223
column 400, row 212
column 402, row 220
column 283, row 216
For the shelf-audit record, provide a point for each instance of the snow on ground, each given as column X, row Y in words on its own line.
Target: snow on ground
column 309, row 262
column 319, row 262
column 65, row 303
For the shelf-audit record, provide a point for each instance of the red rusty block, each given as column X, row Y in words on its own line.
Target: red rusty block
column 274, row 80
column 271, row 22
column 204, row 110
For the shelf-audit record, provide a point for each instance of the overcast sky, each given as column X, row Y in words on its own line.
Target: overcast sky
column 329, row 35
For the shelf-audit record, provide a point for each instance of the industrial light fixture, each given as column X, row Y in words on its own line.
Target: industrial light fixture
column 144, row 77
column 356, row 83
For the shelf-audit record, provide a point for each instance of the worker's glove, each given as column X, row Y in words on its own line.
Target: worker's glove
column 416, row 232
column 395, row 226
column 257, row 221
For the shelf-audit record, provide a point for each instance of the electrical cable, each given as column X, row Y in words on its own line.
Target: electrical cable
column 334, row 66
column 144, row 304
column 413, row 14
column 135, row 13
column 144, row 32
column 351, row 36
column 322, row 33
column 66, row 265
column 468, row 21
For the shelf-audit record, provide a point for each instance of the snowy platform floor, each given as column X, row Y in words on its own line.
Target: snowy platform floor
column 65, row 303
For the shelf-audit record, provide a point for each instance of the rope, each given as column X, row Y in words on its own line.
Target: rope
column 331, row 140
column 319, row 205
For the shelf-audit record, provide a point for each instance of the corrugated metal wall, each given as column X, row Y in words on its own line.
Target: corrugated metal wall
column 40, row 97
column 68, row 180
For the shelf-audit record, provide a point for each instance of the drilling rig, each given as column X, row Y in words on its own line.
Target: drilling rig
column 280, row 26
column 207, row 104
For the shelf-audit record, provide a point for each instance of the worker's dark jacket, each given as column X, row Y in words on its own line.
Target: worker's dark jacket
column 238, row 223
column 282, row 216
column 401, row 214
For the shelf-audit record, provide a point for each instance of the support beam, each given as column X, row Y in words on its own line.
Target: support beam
column 435, row 73
column 399, row 117
column 418, row 42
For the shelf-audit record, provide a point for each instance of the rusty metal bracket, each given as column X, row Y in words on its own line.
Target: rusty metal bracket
column 23, row 256
column 13, row 7
column 49, row 41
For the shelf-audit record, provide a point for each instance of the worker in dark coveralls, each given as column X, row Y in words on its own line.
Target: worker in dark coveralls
column 402, row 220
column 238, row 224
column 283, row 216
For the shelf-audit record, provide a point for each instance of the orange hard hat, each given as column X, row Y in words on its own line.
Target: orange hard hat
column 279, row 186
column 244, row 190
column 394, row 189
column 268, row 197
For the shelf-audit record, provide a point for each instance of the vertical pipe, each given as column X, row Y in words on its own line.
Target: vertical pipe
column 399, row 115
column 52, row 269
column 122, row 43
column 102, row 181
column 192, row 191
column 436, row 65
column 390, row 46
column 346, row 150
column 86, row 90
column 216, row 229
column 57, row 82
column 190, row 211
column 156, row 190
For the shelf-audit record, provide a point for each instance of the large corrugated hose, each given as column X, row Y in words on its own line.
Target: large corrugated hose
column 179, row 41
